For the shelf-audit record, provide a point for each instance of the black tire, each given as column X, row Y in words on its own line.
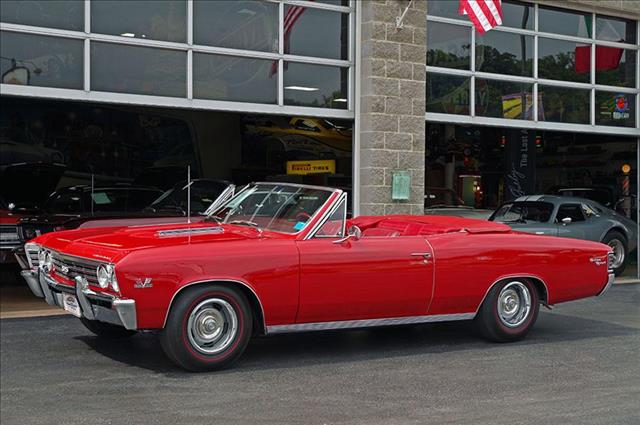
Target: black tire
column 489, row 319
column 612, row 237
column 106, row 330
column 214, row 308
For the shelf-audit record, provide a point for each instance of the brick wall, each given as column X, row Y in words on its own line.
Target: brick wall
column 392, row 104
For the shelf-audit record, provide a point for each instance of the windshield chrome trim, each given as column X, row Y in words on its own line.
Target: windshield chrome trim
column 328, row 214
column 222, row 198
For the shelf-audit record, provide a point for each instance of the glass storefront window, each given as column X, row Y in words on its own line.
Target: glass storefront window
column 559, row 104
column 449, row 46
column 503, row 99
column 615, row 67
column 564, row 60
column 616, row 29
column 616, row 109
column 517, row 15
column 140, row 70
column 62, row 14
column 445, row 9
column 504, row 53
column 562, row 21
column 319, row 86
column 36, row 60
column 447, row 94
column 235, row 79
column 314, row 32
column 164, row 20
column 249, row 25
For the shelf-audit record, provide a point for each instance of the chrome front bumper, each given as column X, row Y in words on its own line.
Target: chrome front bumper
column 94, row 305
column 610, row 280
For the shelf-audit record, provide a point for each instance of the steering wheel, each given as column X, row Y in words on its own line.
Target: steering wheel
column 302, row 216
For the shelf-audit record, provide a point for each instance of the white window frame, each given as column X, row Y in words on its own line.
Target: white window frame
column 86, row 94
column 472, row 74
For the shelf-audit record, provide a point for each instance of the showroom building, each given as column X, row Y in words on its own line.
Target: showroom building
column 388, row 99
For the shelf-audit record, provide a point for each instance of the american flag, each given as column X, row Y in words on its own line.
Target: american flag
column 484, row 14
column 290, row 18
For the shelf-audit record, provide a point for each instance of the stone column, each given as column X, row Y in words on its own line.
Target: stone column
column 392, row 104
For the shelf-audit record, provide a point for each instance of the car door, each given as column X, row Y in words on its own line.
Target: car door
column 578, row 228
column 365, row 278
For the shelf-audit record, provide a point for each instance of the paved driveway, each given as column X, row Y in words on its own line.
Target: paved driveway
column 580, row 365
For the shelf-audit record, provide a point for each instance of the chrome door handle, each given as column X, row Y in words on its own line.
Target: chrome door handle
column 425, row 255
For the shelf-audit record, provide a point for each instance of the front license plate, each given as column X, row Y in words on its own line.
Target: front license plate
column 70, row 304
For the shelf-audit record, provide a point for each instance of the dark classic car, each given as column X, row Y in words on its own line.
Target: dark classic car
column 83, row 207
column 283, row 257
column 570, row 217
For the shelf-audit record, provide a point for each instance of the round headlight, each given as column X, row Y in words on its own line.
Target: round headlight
column 114, row 282
column 41, row 256
column 104, row 277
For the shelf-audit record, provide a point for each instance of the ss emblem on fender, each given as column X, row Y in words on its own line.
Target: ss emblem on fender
column 143, row 284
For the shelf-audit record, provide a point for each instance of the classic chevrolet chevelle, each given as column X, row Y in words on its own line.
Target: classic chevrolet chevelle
column 282, row 257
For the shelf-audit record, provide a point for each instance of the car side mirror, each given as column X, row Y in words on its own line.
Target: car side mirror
column 353, row 232
column 566, row 221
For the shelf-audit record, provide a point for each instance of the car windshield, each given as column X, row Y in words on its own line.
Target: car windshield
column 278, row 207
column 111, row 200
column 524, row 212
column 598, row 195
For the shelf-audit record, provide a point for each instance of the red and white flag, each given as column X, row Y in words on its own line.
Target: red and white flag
column 484, row 14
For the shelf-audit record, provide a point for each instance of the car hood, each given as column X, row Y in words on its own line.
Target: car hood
column 111, row 244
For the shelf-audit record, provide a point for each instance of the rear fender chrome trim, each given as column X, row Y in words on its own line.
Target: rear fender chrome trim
column 517, row 276
column 367, row 323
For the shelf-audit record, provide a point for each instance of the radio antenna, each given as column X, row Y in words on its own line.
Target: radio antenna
column 189, row 194
column 92, row 185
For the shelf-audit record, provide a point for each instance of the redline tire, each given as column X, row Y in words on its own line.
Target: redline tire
column 504, row 315
column 106, row 330
column 208, row 328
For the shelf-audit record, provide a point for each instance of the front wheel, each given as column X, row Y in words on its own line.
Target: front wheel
column 618, row 243
column 509, row 310
column 106, row 330
column 208, row 328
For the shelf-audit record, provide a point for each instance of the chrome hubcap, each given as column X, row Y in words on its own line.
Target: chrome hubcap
column 514, row 304
column 618, row 252
column 212, row 326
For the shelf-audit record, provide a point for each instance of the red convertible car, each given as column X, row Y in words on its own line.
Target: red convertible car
column 280, row 257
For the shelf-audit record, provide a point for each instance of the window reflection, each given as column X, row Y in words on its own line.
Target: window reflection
column 564, row 60
column 238, row 24
column 63, row 14
column 315, row 85
column 156, row 20
column 36, row 60
column 448, row 45
column 234, row 79
column 314, row 32
column 616, row 29
column 559, row 21
column 615, row 67
column 447, row 94
column 504, row 53
column 141, row 70
column 503, row 99
column 517, row 15
column 561, row 104
column 616, row 109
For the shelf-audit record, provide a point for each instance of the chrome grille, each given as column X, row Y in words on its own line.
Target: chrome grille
column 9, row 236
column 70, row 267
column 32, row 254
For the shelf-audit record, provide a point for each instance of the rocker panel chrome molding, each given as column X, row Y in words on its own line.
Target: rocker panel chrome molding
column 348, row 324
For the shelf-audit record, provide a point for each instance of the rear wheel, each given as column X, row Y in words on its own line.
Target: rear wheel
column 618, row 243
column 509, row 310
column 208, row 328
column 106, row 330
